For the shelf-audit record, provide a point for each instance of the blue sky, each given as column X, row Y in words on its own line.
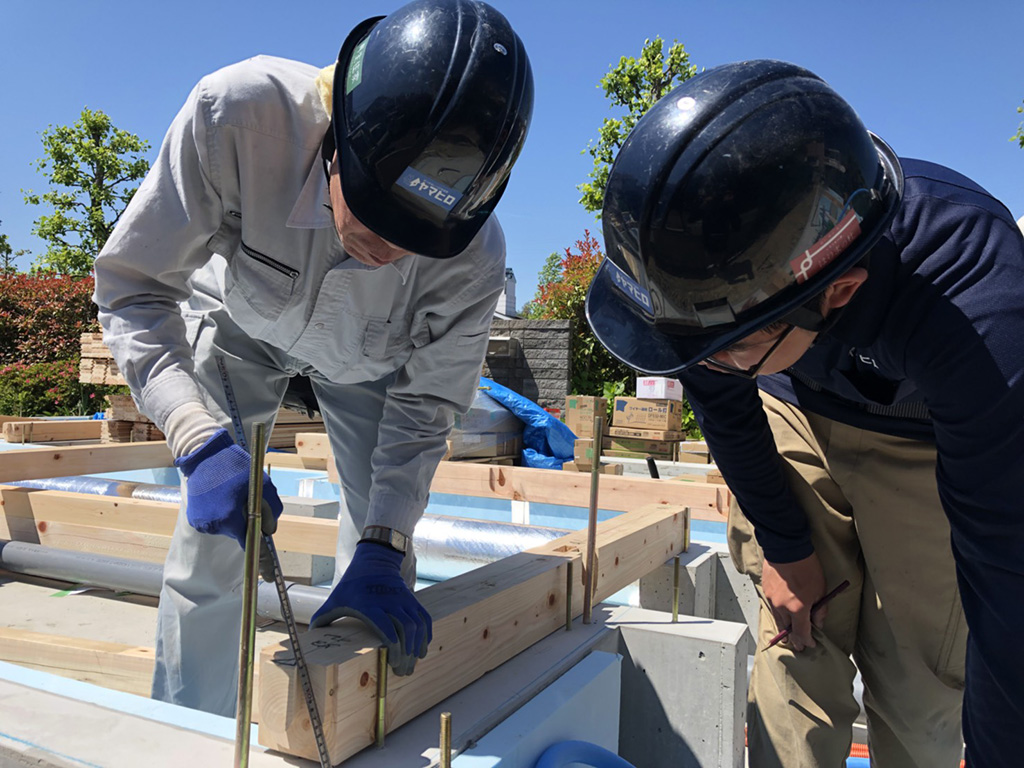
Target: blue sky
column 938, row 80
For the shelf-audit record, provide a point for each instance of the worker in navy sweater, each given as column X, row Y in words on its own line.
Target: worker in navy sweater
column 849, row 328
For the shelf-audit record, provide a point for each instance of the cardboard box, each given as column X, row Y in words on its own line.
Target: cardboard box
column 658, row 388
column 638, row 413
column 580, row 411
column 583, row 451
column 638, row 455
column 604, row 469
column 664, row 447
column 694, row 452
column 647, row 434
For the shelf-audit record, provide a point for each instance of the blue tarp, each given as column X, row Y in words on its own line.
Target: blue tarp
column 547, row 442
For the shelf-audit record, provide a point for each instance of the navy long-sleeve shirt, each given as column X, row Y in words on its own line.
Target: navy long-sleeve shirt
column 931, row 347
column 937, row 332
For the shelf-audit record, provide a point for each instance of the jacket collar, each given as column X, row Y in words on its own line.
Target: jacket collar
column 312, row 210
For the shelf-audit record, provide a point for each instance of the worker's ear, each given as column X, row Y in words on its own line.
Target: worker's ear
column 841, row 290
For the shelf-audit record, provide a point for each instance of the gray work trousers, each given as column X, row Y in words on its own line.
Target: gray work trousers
column 199, row 616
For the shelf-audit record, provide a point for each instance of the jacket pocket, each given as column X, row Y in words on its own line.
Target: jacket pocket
column 266, row 283
column 385, row 339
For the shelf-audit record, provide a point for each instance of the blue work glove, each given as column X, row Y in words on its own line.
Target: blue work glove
column 218, row 489
column 373, row 591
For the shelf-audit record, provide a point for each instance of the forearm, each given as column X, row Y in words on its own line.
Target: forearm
column 734, row 424
column 142, row 273
column 439, row 380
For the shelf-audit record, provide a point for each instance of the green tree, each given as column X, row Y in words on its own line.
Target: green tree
column 6, row 259
column 551, row 272
column 91, row 167
column 562, row 297
column 1019, row 136
column 635, row 85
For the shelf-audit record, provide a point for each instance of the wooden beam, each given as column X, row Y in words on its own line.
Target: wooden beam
column 48, row 431
column 313, row 444
column 8, row 419
column 294, row 461
column 481, row 619
column 706, row 501
column 137, row 529
column 117, row 666
column 35, row 463
column 127, row 668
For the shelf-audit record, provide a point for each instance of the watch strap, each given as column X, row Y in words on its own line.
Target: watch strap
column 389, row 536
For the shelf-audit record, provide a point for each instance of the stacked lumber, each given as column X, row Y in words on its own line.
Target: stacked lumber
column 124, row 422
column 129, row 432
column 289, row 425
column 97, row 365
column 49, row 430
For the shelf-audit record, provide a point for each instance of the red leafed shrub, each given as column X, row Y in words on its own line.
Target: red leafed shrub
column 42, row 317
column 48, row 389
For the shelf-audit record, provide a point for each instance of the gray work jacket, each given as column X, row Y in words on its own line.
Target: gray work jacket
column 239, row 175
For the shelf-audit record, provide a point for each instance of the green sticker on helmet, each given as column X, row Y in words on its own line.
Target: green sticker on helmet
column 355, row 67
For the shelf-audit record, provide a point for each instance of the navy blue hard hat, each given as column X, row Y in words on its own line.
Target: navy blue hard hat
column 733, row 202
column 432, row 104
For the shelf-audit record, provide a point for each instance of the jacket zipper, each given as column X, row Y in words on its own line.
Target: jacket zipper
column 272, row 263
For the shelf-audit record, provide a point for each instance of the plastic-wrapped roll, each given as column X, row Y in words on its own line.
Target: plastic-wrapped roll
column 444, row 546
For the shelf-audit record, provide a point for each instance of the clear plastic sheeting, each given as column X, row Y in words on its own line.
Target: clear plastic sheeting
column 449, row 546
column 102, row 487
column 444, row 546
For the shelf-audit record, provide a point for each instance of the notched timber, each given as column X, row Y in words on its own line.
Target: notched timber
column 481, row 619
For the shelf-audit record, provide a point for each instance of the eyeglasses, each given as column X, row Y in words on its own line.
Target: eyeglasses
column 749, row 373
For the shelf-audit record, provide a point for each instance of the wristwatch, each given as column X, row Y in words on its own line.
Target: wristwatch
column 389, row 536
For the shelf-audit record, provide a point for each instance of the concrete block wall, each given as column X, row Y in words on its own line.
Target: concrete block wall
column 538, row 366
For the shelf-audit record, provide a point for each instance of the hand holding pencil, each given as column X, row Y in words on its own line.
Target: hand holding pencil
column 785, row 633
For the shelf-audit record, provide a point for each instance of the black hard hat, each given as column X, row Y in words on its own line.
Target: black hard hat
column 431, row 107
column 734, row 201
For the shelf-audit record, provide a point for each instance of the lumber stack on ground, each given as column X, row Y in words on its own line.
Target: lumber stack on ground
column 480, row 619
column 124, row 422
column 48, row 431
column 97, row 365
column 129, row 432
column 123, row 408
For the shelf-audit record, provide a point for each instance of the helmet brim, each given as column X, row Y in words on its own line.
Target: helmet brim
column 625, row 333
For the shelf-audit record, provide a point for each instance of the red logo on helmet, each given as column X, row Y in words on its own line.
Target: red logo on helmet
column 823, row 252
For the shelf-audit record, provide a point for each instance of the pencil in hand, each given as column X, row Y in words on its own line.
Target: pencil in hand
column 785, row 633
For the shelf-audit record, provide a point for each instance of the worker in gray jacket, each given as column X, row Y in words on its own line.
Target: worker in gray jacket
column 334, row 224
